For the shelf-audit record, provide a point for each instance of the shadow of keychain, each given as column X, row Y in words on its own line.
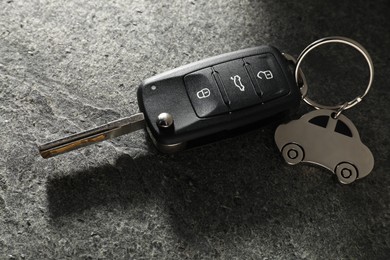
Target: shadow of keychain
column 326, row 137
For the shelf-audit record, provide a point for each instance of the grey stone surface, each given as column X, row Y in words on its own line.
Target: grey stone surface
column 68, row 65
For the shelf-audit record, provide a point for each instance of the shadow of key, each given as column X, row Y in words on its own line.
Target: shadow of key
column 121, row 184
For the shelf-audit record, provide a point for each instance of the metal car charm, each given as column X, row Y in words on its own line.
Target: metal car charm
column 333, row 143
column 325, row 137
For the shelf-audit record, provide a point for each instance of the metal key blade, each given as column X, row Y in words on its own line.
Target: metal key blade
column 113, row 129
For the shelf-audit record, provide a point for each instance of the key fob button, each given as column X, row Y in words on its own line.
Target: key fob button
column 236, row 82
column 267, row 76
column 204, row 93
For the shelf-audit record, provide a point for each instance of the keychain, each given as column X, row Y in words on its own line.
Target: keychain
column 192, row 104
column 325, row 136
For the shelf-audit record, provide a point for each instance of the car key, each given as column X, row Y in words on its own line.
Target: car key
column 196, row 102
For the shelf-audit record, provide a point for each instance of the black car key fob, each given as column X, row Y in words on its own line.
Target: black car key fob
column 186, row 105
column 217, row 94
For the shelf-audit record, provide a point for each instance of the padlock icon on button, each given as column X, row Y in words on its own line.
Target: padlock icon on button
column 203, row 93
column 267, row 73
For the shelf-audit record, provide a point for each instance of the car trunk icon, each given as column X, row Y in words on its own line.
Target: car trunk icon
column 320, row 139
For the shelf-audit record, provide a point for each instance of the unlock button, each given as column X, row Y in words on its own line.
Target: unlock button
column 267, row 76
column 204, row 93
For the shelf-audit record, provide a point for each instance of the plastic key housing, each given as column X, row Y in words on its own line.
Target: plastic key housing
column 218, row 95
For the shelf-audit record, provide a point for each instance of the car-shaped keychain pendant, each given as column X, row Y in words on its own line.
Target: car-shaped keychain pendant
column 334, row 143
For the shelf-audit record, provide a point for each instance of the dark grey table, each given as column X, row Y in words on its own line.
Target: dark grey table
column 66, row 66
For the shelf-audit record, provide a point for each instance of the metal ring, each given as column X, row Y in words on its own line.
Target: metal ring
column 336, row 39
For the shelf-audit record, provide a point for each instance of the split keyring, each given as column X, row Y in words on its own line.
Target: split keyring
column 302, row 81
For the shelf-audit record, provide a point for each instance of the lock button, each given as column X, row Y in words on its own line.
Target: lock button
column 204, row 93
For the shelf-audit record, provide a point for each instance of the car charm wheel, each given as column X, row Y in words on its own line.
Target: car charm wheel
column 346, row 173
column 293, row 153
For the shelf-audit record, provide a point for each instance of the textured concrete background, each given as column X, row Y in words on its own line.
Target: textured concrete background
column 69, row 65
